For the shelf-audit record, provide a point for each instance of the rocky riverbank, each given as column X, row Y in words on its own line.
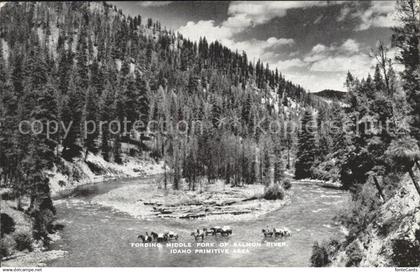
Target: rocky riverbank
column 17, row 247
column 95, row 169
column 392, row 238
column 63, row 181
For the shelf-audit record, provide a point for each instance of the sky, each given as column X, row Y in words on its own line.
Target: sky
column 312, row 43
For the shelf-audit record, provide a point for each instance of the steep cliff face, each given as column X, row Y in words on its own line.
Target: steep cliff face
column 393, row 238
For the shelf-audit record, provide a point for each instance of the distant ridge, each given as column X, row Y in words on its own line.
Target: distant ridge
column 331, row 94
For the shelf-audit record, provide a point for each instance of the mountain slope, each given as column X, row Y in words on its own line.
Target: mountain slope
column 76, row 63
column 331, row 94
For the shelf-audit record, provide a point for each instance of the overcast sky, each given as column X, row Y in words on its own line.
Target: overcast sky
column 313, row 43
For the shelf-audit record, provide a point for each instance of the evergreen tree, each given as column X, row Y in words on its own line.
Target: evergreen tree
column 106, row 115
column 72, row 119
column 407, row 39
column 278, row 160
column 378, row 80
column 41, row 150
column 143, row 106
column 323, row 138
column 306, row 147
column 90, row 122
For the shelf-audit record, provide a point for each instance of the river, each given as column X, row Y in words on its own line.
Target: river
column 100, row 236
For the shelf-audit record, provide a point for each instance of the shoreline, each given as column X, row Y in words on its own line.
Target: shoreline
column 132, row 169
column 42, row 258
column 216, row 201
column 147, row 200
column 96, row 170
column 322, row 183
column 69, row 192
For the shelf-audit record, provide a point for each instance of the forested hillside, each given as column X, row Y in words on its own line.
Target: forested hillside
column 88, row 79
column 331, row 94
column 377, row 158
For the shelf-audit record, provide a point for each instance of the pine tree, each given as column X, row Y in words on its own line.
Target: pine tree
column 90, row 122
column 143, row 105
column 8, row 119
column 64, row 66
column 278, row 160
column 72, row 118
column 407, row 39
column 82, row 59
column 106, row 115
column 324, row 139
column 97, row 77
column 41, row 150
column 378, row 80
column 306, row 147
column 349, row 80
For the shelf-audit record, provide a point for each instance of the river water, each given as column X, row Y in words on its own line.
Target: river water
column 100, row 236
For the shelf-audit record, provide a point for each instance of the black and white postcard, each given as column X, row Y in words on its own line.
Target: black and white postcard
column 210, row 134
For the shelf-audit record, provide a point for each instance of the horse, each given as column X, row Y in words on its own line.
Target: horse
column 216, row 229
column 149, row 238
column 198, row 234
column 171, row 235
column 159, row 237
column 145, row 238
column 209, row 231
column 162, row 237
column 283, row 232
column 142, row 237
column 226, row 231
column 267, row 233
